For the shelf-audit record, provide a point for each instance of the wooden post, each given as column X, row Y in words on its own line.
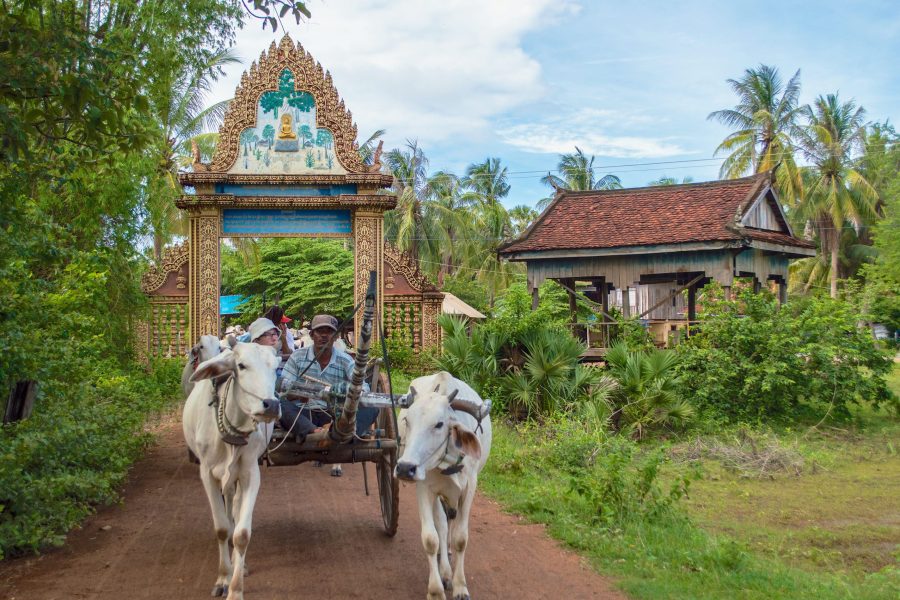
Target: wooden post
column 692, row 303
column 535, row 298
column 726, row 291
column 782, row 292
column 573, row 305
column 604, row 303
column 626, row 301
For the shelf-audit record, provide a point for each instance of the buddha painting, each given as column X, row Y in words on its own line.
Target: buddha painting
column 287, row 139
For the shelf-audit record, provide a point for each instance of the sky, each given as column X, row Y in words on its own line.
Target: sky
column 631, row 83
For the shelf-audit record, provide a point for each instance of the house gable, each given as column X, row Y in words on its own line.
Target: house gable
column 765, row 213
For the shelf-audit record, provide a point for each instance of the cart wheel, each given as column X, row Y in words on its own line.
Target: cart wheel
column 388, row 484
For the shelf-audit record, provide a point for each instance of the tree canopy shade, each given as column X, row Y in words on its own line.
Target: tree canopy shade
column 78, row 144
column 310, row 276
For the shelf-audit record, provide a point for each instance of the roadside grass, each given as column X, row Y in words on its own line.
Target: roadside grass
column 835, row 508
column 666, row 555
column 760, row 511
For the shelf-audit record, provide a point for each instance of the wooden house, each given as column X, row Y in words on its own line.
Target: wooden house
column 640, row 248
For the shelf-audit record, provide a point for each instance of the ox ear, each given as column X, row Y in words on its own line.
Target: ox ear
column 231, row 340
column 214, row 367
column 465, row 440
column 195, row 352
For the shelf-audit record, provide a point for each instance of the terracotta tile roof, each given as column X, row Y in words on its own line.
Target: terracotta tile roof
column 698, row 212
column 776, row 237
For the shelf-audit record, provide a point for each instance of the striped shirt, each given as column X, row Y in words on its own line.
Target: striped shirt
column 339, row 369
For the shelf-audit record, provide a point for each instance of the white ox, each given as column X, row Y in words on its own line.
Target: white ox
column 444, row 450
column 228, row 437
column 206, row 347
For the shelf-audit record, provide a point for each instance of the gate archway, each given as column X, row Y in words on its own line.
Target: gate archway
column 286, row 164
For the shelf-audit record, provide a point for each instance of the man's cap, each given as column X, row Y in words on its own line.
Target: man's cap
column 286, row 319
column 259, row 327
column 324, row 321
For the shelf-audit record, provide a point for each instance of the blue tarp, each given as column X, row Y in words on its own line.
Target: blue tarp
column 228, row 305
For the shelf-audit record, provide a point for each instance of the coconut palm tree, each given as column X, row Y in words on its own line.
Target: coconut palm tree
column 406, row 224
column 576, row 173
column 836, row 193
column 521, row 216
column 764, row 120
column 488, row 180
column 449, row 205
column 667, row 180
column 183, row 114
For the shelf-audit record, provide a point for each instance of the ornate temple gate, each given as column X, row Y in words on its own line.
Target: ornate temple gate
column 411, row 303
column 286, row 165
column 165, row 331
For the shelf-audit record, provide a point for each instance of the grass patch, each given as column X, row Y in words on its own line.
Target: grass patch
column 561, row 477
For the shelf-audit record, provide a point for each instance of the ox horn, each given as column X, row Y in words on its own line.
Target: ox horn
column 479, row 411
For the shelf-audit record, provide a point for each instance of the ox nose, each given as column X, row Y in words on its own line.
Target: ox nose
column 406, row 471
column 271, row 408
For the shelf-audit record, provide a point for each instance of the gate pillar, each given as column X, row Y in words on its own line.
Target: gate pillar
column 204, row 289
column 368, row 255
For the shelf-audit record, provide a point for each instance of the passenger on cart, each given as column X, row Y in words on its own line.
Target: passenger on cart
column 333, row 366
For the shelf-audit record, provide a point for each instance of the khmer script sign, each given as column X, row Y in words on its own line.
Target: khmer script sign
column 262, row 222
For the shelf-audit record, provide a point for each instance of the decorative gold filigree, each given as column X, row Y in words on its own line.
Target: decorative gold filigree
column 368, row 256
column 309, row 76
column 173, row 259
column 431, row 330
column 204, row 276
column 402, row 263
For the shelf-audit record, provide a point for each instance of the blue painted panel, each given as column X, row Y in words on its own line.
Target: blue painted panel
column 228, row 305
column 257, row 221
column 284, row 190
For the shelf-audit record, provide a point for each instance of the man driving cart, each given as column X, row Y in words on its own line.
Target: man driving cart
column 321, row 363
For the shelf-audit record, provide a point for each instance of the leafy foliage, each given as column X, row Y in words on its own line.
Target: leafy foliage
column 752, row 360
column 74, row 451
column 311, row 276
column 646, row 391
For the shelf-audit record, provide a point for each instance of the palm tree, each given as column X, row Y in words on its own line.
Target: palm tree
column 488, row 180
column 488, row 184
column 449, row 207
column 765, row 118
column 182, row 116
column 522, row 217
column 836, row 194
column 405, row 225
column 666, row 180
column 576, row 173
column 646, row 391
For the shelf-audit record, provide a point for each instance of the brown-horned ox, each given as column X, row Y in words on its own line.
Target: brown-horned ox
column 224, row 424
column 446, row 437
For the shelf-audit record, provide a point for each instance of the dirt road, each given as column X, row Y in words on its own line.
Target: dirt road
column 308, row 529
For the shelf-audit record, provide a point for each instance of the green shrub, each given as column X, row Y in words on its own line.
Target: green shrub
column 75, row 449
column 753, row 359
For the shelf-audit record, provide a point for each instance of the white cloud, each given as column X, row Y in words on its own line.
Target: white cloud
column 591, row 130
column 434, row 71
